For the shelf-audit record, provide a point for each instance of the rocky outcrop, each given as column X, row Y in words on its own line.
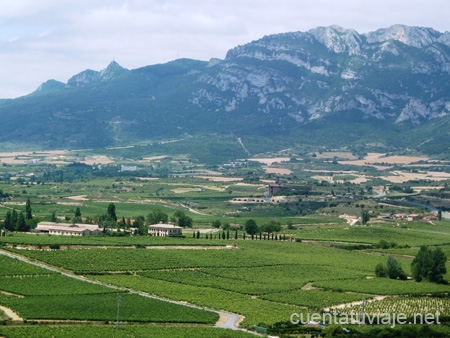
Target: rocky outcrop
column 389, row 73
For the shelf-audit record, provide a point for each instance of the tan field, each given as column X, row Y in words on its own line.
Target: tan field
column 332, row 171
column 153, row 158
column 184, row 190
column 78, row 198
column 270, row 161
column 420, row 189
column 373, row 158
column 100, row 159
column 31, row 153
column 401, row 177
column 13, row 160
column 280, row 171
column 331, row 179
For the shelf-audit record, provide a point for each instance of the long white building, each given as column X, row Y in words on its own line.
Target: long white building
column 67, row 229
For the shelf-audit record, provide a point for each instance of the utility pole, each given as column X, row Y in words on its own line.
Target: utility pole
column 118, row 313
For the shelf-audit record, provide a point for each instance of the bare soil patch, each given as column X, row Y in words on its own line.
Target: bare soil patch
column 184, row 190
column 401, row 176
column 372, row 158
column 280, row 171
column 99, row 159
column 11, row 314
column 78, row 198
column 270, row 161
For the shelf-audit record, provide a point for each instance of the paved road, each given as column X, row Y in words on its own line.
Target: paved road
column 231, row 322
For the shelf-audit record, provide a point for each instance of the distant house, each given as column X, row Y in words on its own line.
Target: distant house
column 400, row 216
column 414, row 217
column 164, row 230
column 128, row 168
column 431, row 218
column 67, row 229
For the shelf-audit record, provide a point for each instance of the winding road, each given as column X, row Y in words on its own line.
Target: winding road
column 228, row 320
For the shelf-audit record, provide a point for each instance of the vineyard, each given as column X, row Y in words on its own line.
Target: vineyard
column 313, row 298
column 264, row 281
column 102, row 307
column 56, row 284
column 383, row 286
column 14, row 267
column 255, row 310
column 126, row 331
column 372, row 235
column 407, row 306
column 58, row 297
column 249, row 254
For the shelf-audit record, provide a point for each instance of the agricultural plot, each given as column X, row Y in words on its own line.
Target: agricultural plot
column 407, row 306
column 251, row 280
column 11, row 266
column 255, row 310
column 56, row 284
column 313, row 298
column 45, row 240
column 59, row 297
column 126, row 331
column 249, row 254
column 373, row 235
column 383, row 286
column 104, row 307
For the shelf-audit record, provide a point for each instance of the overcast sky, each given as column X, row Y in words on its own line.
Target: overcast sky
column 55, row 39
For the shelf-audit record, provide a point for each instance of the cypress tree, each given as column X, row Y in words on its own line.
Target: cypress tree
column 8, row 224
column 28, row 211
column 21, row 224
column 14, row 217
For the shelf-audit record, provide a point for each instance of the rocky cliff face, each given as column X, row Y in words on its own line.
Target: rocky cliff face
column 387, row 74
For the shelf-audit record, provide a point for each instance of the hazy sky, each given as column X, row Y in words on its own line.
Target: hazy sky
column 45, row 39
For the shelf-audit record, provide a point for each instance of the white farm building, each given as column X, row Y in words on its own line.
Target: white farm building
column 67, row 229
column 164, row 230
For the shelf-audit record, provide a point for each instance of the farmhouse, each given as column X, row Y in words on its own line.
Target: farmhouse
column 431, row 218
column 164, row 230
column 67, row 229
column 414, row 217
column 400, row 216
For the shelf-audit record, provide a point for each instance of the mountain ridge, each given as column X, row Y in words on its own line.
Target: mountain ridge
column 298, row 86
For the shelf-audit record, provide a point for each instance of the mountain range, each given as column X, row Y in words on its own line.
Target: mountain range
column 326, row 86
